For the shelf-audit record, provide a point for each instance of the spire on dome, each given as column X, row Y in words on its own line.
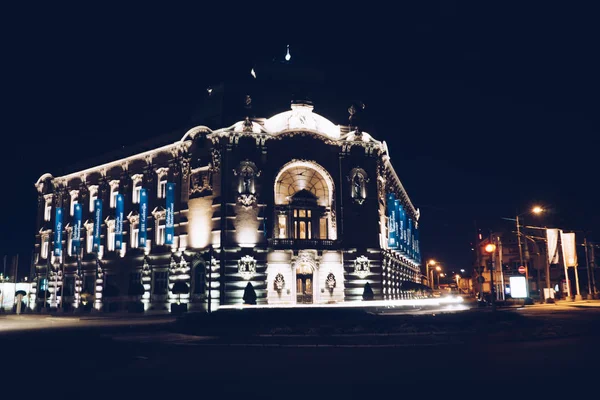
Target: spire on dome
column 288, row 57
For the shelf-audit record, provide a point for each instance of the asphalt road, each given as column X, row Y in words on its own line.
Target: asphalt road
column 533, row 351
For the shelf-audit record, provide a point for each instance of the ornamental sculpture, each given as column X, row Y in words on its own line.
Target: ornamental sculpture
column 247, row 267
column 330, row 282
column 362, row 267
column 279, row 283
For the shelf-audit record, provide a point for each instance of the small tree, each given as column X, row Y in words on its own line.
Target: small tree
column 179, row 288
column 367, row 292
column 249, row 294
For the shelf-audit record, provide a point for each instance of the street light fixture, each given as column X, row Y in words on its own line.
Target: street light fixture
column 430, row 263
column 490, row 248
column 535, row 210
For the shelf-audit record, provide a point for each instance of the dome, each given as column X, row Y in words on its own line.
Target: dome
column 302, row 117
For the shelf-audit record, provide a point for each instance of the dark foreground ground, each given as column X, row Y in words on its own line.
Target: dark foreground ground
column 282, row 354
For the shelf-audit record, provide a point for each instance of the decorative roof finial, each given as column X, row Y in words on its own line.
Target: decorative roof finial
column 354, row 111
column 287, row 55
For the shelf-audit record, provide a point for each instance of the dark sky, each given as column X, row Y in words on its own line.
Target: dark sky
column 486, row 108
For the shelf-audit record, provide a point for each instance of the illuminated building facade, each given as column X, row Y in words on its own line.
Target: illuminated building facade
column 292, row 208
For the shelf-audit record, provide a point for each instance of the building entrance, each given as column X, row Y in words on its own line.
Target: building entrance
column 304, row 289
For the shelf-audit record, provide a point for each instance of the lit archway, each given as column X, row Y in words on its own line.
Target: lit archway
column 309, row 184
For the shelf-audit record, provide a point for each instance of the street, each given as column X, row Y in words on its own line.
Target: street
column 542, row 349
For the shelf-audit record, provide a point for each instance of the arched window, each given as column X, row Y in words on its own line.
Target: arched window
column 137, row 188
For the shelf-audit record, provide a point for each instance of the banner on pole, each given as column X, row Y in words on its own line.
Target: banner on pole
column 143, row 217
column 119, row 221
column 552, row 247
column 58, row 226
column 569, row 250
column 169, row 220
column 97, row 225
column 399, row 225
column 76, row 238
column 391, row 209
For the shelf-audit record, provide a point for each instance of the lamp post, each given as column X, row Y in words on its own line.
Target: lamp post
column 457, row 276
column 534, row 210
column 430, row 263
column 438, row 269
column 490, row 248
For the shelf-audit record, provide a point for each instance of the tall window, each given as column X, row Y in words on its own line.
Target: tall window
column 74, row 199
column 161, row 174
column 135, row 231
column 160, row 282
column 160, row 232
column 323, row 228
column 69, row 241
column 114, row 192
column 137, row 188
column 48, row 209
column 93, row 196
column 302, row 224
column 89, row 237
column 282, row 225
column 110, row 237
column 45, row 246
column 199, row 274
column 162, row 188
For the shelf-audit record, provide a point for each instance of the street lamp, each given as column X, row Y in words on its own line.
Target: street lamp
column 490, row 248
column 534, row 210
column 430, row 263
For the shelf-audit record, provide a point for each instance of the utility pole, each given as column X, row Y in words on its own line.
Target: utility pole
column 590, row 295
column 593, row 263
column 548, row 256
column 521, row 256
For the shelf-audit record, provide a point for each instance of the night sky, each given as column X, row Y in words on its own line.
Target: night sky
column 486, row 109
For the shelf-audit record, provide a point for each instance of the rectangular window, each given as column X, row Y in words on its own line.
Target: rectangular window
column 160, row 233
column 70, row 243
column 93, row 197
column 308, row 230
column 302, row 213
column 89, row 240
column 89, row 284
column 302, row 233
column 160, row 283
column 134, row 236
column 48, row 210
column 323, row 228
column 282, row 226
column 308, row 213
column 73, row 202
column 162, row 188
column 110, row 238
column 45, row 245
column 69, row 286
column 113, row 198
column 137, row 189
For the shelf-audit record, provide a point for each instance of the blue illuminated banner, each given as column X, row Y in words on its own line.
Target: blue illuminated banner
column 76, row 238
column 398, row 224
column 409, row 243
column 401, row 227
column 391, row 209
column 97, row 225
column 119, row 222
column 169, row 220
column 143, row 217
column 58, row 226
column 417, row 249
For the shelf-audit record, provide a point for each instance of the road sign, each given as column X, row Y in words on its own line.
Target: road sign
column 521, row 269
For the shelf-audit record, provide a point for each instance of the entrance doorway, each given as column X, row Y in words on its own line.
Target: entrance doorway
column 304, row 288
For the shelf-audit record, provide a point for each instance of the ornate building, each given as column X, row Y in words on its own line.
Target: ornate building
column 293, row 208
